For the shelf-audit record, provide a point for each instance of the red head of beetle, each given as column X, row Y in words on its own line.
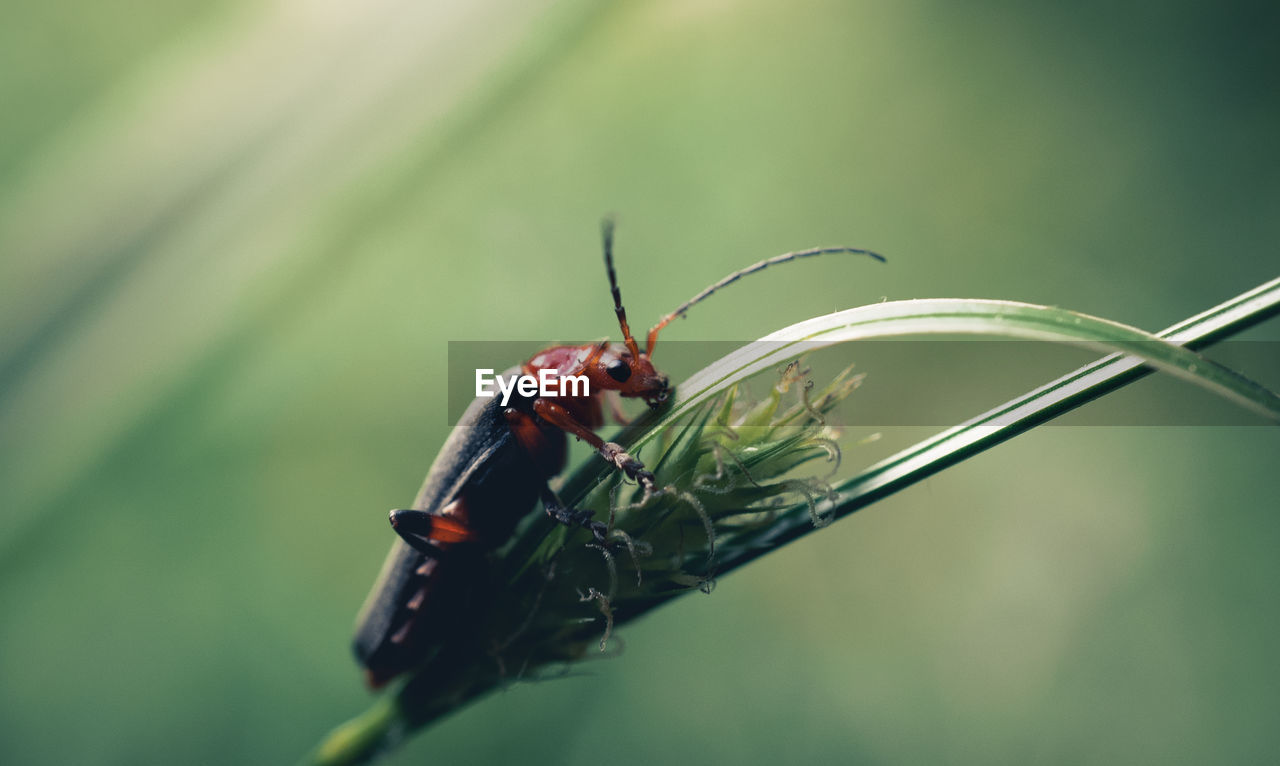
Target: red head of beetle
column 629, row 372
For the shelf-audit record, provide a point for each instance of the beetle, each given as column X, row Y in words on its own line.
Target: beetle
column 493, row 469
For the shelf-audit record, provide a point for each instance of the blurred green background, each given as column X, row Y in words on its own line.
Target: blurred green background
column 235, row 239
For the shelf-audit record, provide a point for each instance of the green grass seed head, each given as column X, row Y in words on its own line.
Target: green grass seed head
column 724, row 474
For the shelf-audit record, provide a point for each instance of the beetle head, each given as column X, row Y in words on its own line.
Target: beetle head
column 614, row 367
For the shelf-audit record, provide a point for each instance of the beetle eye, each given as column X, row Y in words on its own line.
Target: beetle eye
column 619, row 370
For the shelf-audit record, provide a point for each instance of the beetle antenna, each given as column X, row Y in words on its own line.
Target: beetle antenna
column 739, row 274
column 606, row 231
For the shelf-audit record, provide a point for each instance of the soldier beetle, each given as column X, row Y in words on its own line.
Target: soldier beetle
column 494, row 468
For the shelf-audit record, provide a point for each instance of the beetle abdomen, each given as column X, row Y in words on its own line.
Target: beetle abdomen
column 486, row 478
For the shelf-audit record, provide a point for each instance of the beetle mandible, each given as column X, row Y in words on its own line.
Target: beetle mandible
column 494, row 468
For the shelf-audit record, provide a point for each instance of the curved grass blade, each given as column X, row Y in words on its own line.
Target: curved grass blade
column 1002, row 423
column 1170, row 352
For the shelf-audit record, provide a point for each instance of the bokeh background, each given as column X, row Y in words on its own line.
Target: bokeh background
column 236, row 237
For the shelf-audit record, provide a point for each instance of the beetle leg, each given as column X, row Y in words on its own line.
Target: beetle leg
column 561, row 418
column 557, row 510
column 426, row 532
column 629, row 465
